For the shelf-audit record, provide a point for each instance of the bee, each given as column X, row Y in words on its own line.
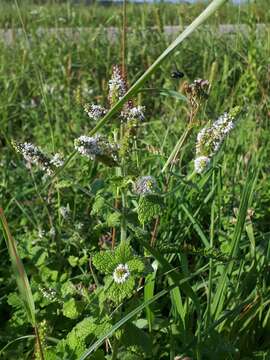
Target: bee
column 176, row 74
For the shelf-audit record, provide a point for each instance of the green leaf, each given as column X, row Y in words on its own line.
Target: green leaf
column 105, row 261
column 136, row 266
column 246, row 197
column 98, row 205
column 118, row 292
column 113, row 219
column 73, row 260
column 74, row 343
column 196, row 226
column 123, row 253
column 148, row 208
column 149, row 293
column 72, row 309
column 63, row 184
column 135, row 336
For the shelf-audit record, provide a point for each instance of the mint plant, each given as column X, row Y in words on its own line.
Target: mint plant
column 131, row 253
column 122, row 269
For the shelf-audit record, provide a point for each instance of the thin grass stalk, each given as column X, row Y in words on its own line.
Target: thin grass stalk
column 211, row 272
column 171, row 161
column 22, row 279
column 38, row 75
column 19, row 271
column 41, row 84
column 173, row 156
column 246, row 198
column 15, row 340
column 124, row 37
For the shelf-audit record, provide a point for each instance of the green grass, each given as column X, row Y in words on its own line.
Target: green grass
column 209, row 295
column 66, row 14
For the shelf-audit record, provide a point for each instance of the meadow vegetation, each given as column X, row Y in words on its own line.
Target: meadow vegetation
column 130, row 255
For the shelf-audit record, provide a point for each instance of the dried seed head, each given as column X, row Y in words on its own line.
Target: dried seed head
column 197, row 91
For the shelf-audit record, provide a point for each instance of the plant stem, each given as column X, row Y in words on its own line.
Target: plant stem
column 39, row 346
column 124, row 37
column 171, row 161
column 124, row 205
column 210, row 281
column 115, row 349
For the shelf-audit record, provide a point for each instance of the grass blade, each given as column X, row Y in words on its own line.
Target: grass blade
column 246, row 198
column 18, row 268
column 149, row 293
column 196, row 226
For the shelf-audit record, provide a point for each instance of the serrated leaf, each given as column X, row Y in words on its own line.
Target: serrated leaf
column 148, row 208
column 118, row 292
column 136, row 266
column 123, row 253
column 113, row 219
column 72, row 309
column 105, row 261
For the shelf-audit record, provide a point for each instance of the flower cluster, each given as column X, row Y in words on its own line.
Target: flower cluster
column 95, row 112
column 146, row 185
column 57, row 160
column 121, row 273
column 134, row 113
column 33, row 155
column 117, row 85
column 210, row 139
column 48, row 293
column 97, row 148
